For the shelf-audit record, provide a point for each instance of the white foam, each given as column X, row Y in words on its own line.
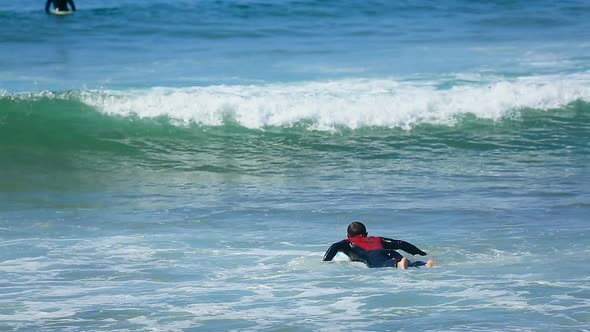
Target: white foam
column 346, row 103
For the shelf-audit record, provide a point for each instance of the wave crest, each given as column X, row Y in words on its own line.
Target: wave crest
column 347, row 103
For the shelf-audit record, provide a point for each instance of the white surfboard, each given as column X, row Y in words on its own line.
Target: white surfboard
column 61, row 12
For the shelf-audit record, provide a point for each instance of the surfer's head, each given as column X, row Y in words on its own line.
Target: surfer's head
column 356, row 228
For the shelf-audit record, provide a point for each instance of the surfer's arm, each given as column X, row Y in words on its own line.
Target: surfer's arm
column 333, row 250
column 47, row 4
column 71, row 2
column 402, row 245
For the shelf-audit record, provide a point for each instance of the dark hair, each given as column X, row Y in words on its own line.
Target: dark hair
column 356, row 228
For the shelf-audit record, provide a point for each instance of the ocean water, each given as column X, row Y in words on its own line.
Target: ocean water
column 183, row 166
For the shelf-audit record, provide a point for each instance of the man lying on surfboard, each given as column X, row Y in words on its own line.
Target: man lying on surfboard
column 375, row 251
column 60, row 5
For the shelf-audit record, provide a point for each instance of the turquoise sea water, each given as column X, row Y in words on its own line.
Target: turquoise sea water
column 184, row 166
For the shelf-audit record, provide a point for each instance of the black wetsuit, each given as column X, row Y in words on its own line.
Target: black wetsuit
column 379, row 254
column 60, row 5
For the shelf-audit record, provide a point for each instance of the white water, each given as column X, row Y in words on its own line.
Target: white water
column 347, row 103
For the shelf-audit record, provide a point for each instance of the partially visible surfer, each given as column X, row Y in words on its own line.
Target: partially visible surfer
column 375, row 251
column 60, row 5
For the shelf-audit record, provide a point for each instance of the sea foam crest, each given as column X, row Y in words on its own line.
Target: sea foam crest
column 345, row 103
